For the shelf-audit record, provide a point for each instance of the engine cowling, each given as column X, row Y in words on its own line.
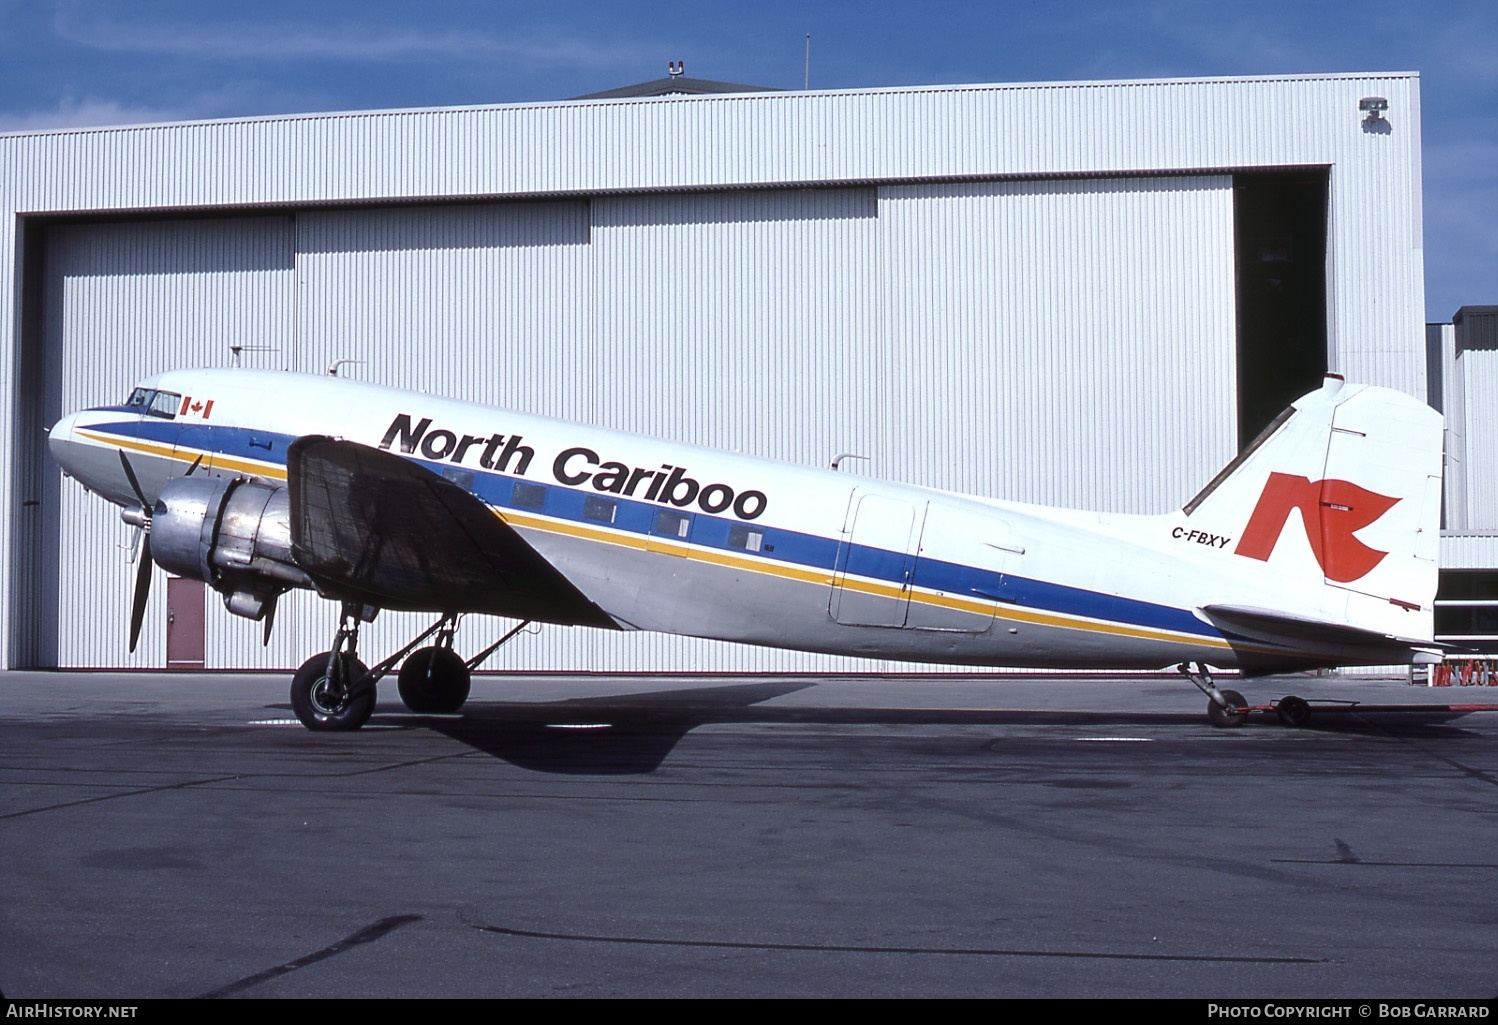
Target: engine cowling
column 232, row 533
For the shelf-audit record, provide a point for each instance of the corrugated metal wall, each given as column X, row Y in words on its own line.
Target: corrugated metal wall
column 760, row 139
column 982, row 337
column 1479, row 379
column 1452, row 402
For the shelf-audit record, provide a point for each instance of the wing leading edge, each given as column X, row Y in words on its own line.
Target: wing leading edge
column 371, row 527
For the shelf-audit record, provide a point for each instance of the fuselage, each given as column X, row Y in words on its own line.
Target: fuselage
column 688, row 540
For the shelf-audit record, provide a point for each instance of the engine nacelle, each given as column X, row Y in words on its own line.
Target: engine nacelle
column 232, row 533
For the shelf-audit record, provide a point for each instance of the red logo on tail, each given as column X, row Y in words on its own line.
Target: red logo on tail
column 1332, row 510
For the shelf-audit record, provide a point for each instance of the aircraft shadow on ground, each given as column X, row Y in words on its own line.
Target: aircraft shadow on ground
column 633, row 733
column 613, row 735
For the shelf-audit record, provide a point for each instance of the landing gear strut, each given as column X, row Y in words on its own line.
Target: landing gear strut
column 335, row 691
column 1225, row 708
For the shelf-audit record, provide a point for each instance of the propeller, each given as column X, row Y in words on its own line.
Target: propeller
column 145, row 565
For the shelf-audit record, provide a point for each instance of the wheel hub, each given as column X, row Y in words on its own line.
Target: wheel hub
column 328, row 698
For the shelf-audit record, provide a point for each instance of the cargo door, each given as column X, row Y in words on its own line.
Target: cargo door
column 871, row 582
column 959, row 569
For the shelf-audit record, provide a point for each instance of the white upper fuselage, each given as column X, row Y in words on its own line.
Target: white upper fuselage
column 683, row 539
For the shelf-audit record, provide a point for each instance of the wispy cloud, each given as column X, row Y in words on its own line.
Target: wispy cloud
column 347, row 41
column 88, row 113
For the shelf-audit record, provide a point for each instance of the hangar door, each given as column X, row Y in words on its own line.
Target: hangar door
column 459, row 300
column 120, row 301
column 1066, row 342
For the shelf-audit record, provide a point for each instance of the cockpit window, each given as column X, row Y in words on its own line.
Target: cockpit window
column 151, row 402
column 165, row 403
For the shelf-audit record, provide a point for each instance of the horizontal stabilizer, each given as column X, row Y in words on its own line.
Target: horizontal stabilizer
column 1300, row 635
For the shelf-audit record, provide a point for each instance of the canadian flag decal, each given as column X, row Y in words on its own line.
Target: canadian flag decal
column 1332, row 511
column 195, row 407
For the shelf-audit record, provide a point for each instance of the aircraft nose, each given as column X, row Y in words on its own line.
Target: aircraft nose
column 60, row 441
column 93, row 464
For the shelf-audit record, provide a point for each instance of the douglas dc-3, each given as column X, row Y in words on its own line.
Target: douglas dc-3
column 1317, row 546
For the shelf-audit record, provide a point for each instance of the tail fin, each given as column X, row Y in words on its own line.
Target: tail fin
column 1340, row 500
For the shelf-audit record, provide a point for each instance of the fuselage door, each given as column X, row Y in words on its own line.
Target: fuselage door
column 959, row 570
column 875, row 562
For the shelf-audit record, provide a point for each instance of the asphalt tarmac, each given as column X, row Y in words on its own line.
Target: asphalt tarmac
column 181, row 836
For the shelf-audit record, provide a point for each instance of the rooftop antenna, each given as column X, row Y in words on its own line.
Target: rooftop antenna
column 807, row 84
column 333, row 366
column 676, row 68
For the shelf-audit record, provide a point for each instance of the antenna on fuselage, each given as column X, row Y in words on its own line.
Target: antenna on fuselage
column 236, row 350
column 837, row 460
column 333, row 366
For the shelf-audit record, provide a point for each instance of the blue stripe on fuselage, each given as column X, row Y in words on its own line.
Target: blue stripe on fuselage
column 779, row 545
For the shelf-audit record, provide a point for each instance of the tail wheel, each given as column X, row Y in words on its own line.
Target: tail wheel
column 1230, row 716
column 1293, row 711
column 332, row 702
column 434, row 681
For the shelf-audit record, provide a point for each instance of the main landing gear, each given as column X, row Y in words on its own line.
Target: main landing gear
column 1227, row 709
column 335, row 691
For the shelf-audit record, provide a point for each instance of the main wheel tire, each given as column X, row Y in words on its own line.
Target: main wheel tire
column 1231, row 716
column 1293, row 711
column 326, row 705
column 434, row 681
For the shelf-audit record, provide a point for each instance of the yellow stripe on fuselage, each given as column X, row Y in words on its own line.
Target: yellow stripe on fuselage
column 186, row 456
column 877, row 588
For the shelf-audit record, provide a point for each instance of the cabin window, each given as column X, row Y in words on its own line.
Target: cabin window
column 672, row 524
column 462, row 478
column 528, row 496
column 747, row 538
column 600, row 509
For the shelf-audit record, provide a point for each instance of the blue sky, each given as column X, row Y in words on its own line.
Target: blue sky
column 88, row 62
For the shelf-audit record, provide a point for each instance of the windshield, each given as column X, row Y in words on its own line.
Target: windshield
column 151, row 402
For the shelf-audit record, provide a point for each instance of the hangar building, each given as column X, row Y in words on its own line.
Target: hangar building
column 1085, row 294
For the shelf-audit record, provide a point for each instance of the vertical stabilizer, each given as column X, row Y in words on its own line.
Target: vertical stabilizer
column 1339, row 502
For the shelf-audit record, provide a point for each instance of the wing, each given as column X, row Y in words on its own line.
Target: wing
column 371, row 527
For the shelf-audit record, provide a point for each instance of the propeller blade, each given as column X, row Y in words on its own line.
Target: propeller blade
column 195, row 463
column 134, row 481
column 270, row 621
column 142, row 590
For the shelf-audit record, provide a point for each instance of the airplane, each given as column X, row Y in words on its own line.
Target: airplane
column 1316, row 547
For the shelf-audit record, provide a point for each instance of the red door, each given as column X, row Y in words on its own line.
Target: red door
column 184, row 623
